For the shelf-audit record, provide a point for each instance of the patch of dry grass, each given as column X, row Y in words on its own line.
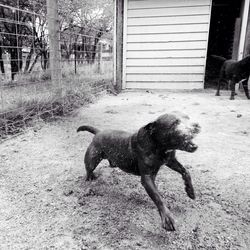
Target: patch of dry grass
column 32, row 96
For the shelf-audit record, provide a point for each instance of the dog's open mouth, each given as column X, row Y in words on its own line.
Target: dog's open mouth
column 185, row 143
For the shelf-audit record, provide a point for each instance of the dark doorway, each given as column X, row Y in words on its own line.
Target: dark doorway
column 224, row 36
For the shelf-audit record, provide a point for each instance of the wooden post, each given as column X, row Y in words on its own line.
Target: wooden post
column 118, row 43
column 99, row 65
column 54, row 44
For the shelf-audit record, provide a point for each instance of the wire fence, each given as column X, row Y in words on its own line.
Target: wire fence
column 48, row 63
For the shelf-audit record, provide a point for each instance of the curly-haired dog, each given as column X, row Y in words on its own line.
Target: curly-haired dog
column 234, row 72
column 144, row 152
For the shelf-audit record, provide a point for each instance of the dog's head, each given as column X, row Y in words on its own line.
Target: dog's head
column 173, row 132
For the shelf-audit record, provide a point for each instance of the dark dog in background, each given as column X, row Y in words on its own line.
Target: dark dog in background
column 144, row 152
column 234, row 72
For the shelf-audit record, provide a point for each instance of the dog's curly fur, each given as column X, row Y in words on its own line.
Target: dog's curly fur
column 144, row 152
column 234, row 71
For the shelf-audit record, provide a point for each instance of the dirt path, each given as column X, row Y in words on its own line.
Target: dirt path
column 45, row 203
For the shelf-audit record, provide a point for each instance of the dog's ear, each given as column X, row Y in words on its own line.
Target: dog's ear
column 144, row 136
column 150, row 127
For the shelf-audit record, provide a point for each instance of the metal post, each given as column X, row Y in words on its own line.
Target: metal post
column 75, row 57
column 99, row 66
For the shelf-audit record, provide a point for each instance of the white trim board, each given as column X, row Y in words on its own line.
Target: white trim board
column 243, row 29
column 125, row 28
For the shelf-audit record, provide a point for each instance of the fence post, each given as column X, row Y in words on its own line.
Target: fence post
column 54, row 44
column 118, row 44
column 99, row 66
column 75, row 55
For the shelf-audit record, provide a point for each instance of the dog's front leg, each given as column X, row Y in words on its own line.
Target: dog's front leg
column 177, row 166
column 166, row 217
column 245, row 87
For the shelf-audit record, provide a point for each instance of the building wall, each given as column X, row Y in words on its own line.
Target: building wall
column 165, row 43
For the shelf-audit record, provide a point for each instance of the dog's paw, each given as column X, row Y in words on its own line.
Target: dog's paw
column 191, row 195
column 168, row 223
column 90, row 177
column 190, row 192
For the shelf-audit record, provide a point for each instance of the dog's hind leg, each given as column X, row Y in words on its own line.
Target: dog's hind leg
column 232, row 87
column 221, row 78
column 92, row 159
column 218, row 88
column 245, row 87
column 176, row 166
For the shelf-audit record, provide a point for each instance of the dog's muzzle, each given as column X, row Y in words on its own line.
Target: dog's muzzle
column 191, row 147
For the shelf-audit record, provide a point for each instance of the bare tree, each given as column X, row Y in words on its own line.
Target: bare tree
column 88, row 21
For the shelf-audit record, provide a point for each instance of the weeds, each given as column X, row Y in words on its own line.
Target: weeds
column 33, row 96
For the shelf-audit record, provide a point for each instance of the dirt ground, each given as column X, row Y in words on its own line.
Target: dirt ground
column 46, row 204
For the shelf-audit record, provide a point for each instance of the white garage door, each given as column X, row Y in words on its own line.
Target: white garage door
column 165, row 43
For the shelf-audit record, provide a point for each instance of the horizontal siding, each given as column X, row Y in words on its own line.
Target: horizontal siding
column 166, row 43
column 167, row 29
column 176, row 37
column 166, row 54
column 144, row 21
column 164, row 85
column 165, row 77
column 181, row 45
column 196, row 10
column 166, row 62
column 165, row 69
column 146, row 4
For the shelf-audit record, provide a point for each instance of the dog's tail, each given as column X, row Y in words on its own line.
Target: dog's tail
column 89, row 129
column 219, row 58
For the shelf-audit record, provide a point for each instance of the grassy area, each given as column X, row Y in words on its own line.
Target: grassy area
column 33, row 95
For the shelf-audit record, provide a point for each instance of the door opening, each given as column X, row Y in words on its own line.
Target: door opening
column 224, row 36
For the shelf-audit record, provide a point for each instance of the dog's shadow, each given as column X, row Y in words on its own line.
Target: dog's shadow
column 110, row 186
column 119, row 209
